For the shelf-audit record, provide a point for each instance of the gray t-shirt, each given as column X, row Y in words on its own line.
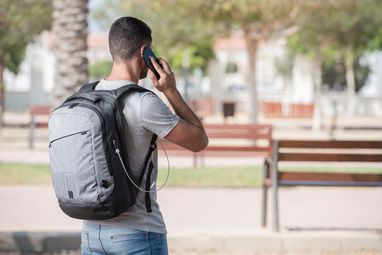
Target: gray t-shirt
column 146, row 114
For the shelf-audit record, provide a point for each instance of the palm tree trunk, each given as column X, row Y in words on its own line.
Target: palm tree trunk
column 70, row 43
column 252, row 46
column 350, row 83
column 317, row 81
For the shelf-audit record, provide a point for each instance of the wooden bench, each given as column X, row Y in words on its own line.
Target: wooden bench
column 247, row 140
column 39, row 119
column 326, row 152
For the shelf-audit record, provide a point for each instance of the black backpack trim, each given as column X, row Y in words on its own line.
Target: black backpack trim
column 148, row 164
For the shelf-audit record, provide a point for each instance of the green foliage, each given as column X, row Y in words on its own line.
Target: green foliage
column 199, row 56
column 355, row 24
column 338, row 30
column 332, row 29
column 376, row 42
column 334, row 74
column 257, row 20
column 257, row 14
column 13, row 57
column 174, row 30
column 100, row 69
column 20, row 22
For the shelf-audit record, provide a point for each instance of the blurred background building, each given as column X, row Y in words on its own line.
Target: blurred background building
column 280, row 95
column 291, row 74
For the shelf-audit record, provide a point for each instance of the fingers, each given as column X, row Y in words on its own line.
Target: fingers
column 157, row 67
column 165, row 65
column 153, row 78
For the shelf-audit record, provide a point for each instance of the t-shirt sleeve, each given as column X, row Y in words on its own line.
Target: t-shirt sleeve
column 156, row 116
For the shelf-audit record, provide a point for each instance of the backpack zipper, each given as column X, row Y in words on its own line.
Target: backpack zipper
column 62, row 137
column 102, row 119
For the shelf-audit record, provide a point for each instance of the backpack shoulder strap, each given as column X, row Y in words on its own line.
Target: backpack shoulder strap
column 149, row 164
column 88, row 87
column 128, row 89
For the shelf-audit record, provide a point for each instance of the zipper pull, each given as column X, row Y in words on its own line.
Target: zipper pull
column 115, row 146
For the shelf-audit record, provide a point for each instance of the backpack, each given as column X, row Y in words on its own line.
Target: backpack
column 91, row 175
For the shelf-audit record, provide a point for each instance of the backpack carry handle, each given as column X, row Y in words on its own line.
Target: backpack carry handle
column 88, row 87
column 129, row 87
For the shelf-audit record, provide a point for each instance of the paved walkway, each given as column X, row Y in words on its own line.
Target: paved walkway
column 205, row 219
column 211, row 210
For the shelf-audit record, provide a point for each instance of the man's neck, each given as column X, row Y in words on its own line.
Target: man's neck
column 123, row 71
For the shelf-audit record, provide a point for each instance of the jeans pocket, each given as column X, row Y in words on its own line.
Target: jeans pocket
column 139, row 235
column 85, row 243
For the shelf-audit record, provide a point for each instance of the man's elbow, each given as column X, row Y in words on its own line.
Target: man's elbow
column 202, row 144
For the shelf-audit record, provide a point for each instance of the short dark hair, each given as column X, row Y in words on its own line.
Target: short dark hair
column 126, row 36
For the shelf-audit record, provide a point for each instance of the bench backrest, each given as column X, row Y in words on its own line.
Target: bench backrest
column 39, row 115
column 43, row 110
column 236, row 138
column 238, row 131
column 327, row 151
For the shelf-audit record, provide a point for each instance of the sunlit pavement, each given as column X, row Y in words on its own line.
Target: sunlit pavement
column 211, row 210
column 208, row 219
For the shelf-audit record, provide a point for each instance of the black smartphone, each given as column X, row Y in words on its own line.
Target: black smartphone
column 147, row 53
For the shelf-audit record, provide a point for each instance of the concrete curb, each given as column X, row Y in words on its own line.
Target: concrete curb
column 38, row 242
column 333, row 241
column 283, row 242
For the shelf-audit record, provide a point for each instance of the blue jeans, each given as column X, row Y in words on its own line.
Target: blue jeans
column 100, row 239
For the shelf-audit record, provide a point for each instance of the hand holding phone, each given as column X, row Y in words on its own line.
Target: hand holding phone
column 147, row 53
column 167, row 82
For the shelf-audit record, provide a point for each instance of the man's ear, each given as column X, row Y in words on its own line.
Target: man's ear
column 143, row 49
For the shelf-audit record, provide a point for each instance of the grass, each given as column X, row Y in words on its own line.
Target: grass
column 213, row 177
column 39, row 174
column 19, row 174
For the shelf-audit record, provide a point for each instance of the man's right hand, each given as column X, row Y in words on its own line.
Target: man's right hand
column 166, row 82
column 189, row 133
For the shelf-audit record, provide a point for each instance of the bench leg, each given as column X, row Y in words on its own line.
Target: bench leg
column 32, row 131
column 195, row 160
column 275, row 184
column 264, row 195
column 276, row 224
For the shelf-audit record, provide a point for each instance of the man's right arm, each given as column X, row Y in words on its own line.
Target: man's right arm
column 189, row 132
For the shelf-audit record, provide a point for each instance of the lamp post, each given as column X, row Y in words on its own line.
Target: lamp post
column 186, row 73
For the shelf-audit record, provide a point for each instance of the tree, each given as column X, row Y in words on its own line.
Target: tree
column 70, row 45
column 175, row 31
column 356, row 24
column 188, row 22
column 259, row 20
column 20, row 22
column 336, row 29
column 334, row 74
column 310, row 39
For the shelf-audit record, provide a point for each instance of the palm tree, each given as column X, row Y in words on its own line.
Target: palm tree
column 20, row 23
column 70, row 46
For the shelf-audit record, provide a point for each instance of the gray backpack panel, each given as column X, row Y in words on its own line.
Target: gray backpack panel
column 81, row 168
